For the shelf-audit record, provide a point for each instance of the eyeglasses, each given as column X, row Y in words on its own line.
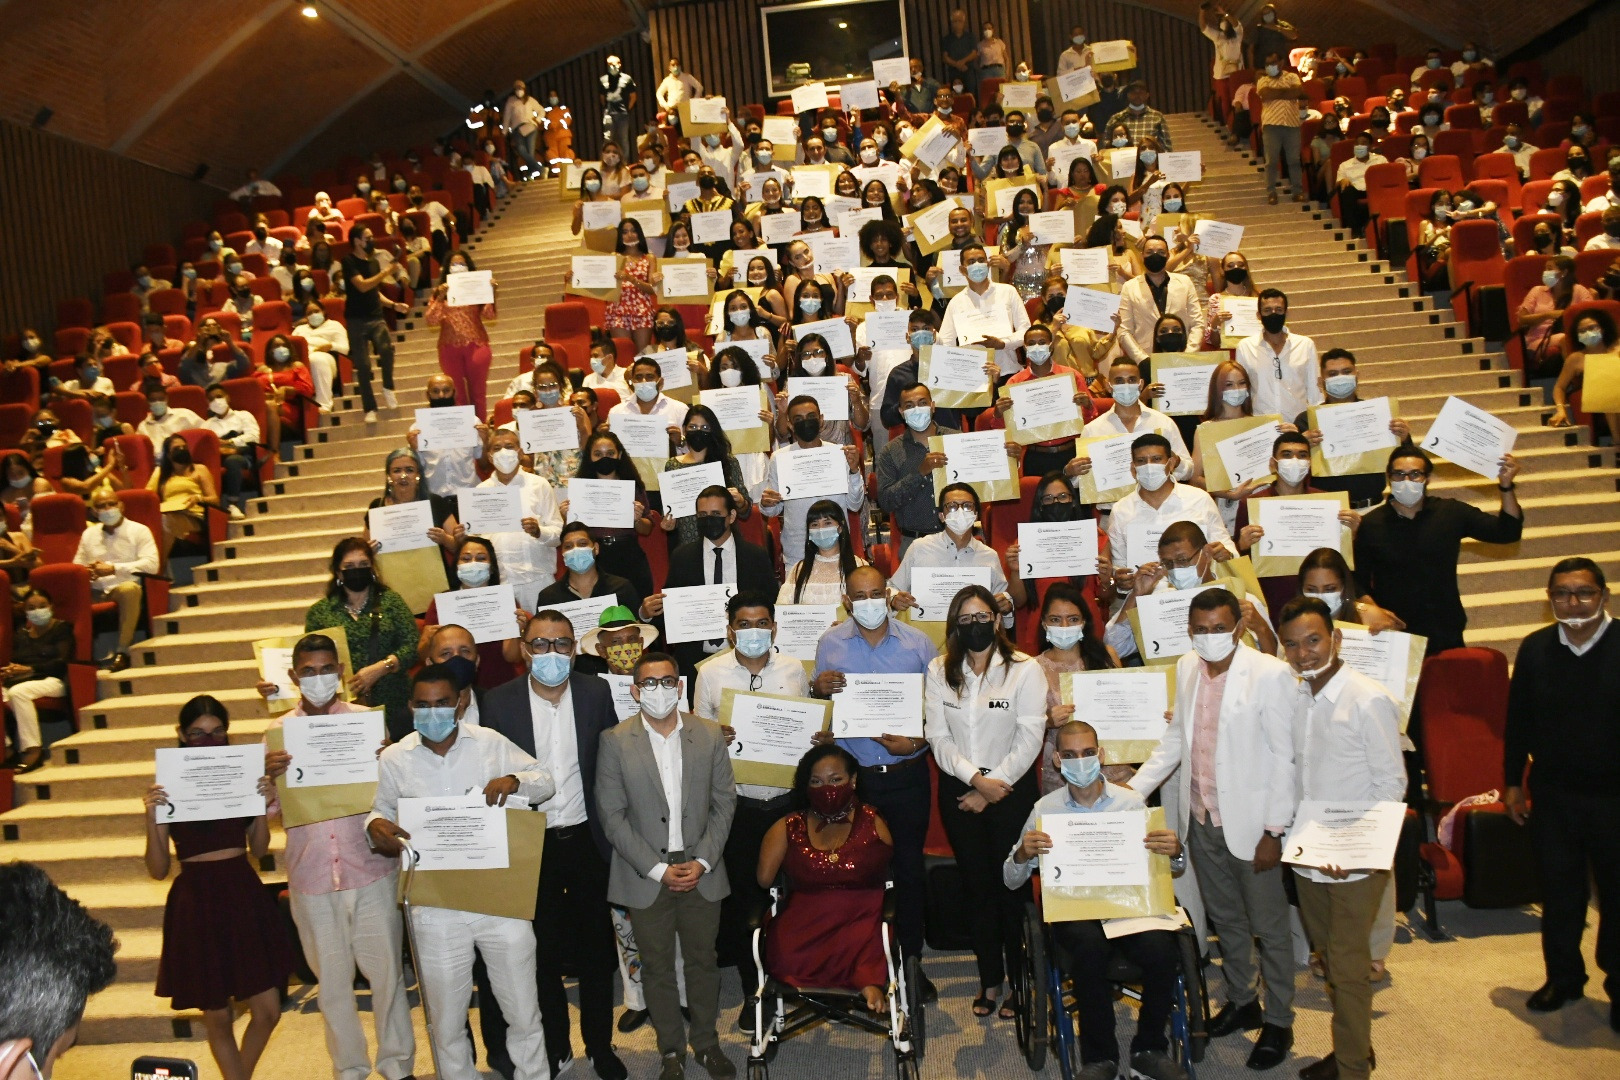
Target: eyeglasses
column 1410, row 474
column 1564, row 596
column 563, row 646
column 668, row 682
column 980, row 617
column 1052, row 500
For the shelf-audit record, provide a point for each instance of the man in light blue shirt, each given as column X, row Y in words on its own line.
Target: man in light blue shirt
column 1084, row 947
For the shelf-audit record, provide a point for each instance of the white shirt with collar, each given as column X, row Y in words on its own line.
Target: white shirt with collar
column 1134, row 527
column 234, row 420
column 530, row 560
column 794, row 511
column 556, row 743
column 672, row 412
column 728, row 561
column 1355, row 169
column 1114, row 799
column 671, row 773
column 780, row 675
column 1349, row 748
column 939, row 549
column 159, row 430
column 129, row 546
column 1151, row 421
column 1563, row 636
column 329, row 337
column 996, row 722
column 270, row 247
column 409, row 769
column 448, row 471
column 1139, row 313
column 1601, row 203
column 997, row 297
column 1285, row 383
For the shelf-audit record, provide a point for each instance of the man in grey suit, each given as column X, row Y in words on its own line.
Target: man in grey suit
column 666, row 794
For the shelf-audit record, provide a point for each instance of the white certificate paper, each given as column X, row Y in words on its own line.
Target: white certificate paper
column 811, row 180
column 456, row 832
column 1163, row 618
column 680, row 193
column 274, row 664
column 1111, row 462
column 809, row 96
column 895, row 69
column 486, row 511
column 339, row 748
column 773, row 730
column 1384, row 657
column 1124, row 705
column 736, row 407
column 208, row 783
column 1186, row 389
column 689, row 279
column 819, row 472
column 596, row 271
column 585, row 614
column 707, row 110
column 934, row 223
column 679, row 487
column 799, row 628
column 1240, row 316
column 1349, row 835
column 985, row 141
column 835, row 332
column 708, row 227
column 1468, row 436
column 1298, row 526
column 1091, row 308
column 834, row 253
column 934, row 587
column 1038, row 402
column 1055, row 549
column 470, row 287
column 859, row 95
column 488, row 613
column 958, row 367
column 873, row 705
column 454, row 427
column 402, row 526
column 780, row 228
column 887, row 329
column 672, row 362
column 602, row 504
column 975, row 456
column 1052, row 227
column 1355, row 427
column 1085, row 266
column 1182, row 166
column 542, row 430
column 696, row 613
column 642, row 436
column 830, row 391
column 1248, row 456
column 1097, row 849
column 1217, row 239
column 602, row 214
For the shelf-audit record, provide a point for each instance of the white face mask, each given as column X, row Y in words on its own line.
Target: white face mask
column 1213, row 648
column 1151, row 477
column 815, row 365
column 1293, row 470
column 1183, row 577
column 319, row 689
column 218, row 406
column 1331, row 599
column 1579, row 623
column 960, row 520
column 505, row 460
column 870, row 613
column 731, row 377
column 1312, row 673
column 659, row 702
column 869, row 155
column 1407, row 492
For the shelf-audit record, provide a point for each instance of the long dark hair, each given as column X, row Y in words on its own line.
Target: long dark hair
column 334, row 584
column 444, row 278
column 823, row 508
column 627, row 467
column 745, row 364
column 722, row 444
column 955, row 652
column 618, row 239
column 1093, row 649
column 798, row 357
column 824, row 291
column 807, row 764
column 204, row 705
column 166, row 467
column 1330, row 559
column 488, row 546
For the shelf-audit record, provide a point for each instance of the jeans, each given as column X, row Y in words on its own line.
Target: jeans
column 238, row 477
column 365, row 336
column 523, row 147
column 618, row 129
column 1280, row 141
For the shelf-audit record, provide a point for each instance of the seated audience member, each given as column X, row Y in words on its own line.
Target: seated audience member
column 162, row 420
column 41, row 646
column 327, row 340
column 118, row 553
column 197, row 364
column 185, row 492
column 239, row 439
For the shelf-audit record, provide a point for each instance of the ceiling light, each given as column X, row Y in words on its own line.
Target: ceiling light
column 308, row 11
column 843, row 26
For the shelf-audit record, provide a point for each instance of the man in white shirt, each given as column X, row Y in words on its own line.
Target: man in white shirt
column 1609, row 198
column 1140, row 518
column 954, row 547
column 1129, row 416
column 263, row 243
column 1061, row 152
column 117, row 551
column 90, row 381
column 328, row 339
column 521, row 117
column 719, row 155
column 986, row 313
column 254, row 188
column 1349, row 748
column 647, row 398
column 446, row 758
column 162, row 421
column 1284, row 373
column 440, row 221
column 1609, row 238
column 1143, row 299
column 1187, row 560
column 1077, row 55
column 1513, row 143
column 448, row 471
column 528, row 557
column 238, row 433
column 676, row 87
column 804, row 419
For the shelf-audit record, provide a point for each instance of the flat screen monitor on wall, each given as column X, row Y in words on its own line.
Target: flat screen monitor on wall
column 832, row 41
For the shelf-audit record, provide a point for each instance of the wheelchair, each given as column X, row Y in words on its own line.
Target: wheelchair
column 798, row 1008
column 1045, row 1016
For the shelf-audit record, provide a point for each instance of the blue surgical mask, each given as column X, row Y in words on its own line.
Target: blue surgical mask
column 1184, row 577
column 918, row 417
column 1071, row 131
column 1038, row 354
column 1064, row 637
column 579, row 559
column 1127, row 393
column 158, row 409
column 1172, row 205
column 434, row 723
column 1339, row 386
column 977, row 272
column 824, row 537
column 1236, row 397
column 1081, row 771
column 474, row 575
column 549, row 398
column 551, row 668
column 1148, row 156
column 646, row 391
column 921, row 339
column 870, row 613
column 754, row 642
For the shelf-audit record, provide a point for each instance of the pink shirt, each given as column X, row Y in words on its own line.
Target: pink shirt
column 1206, row 722
column 331, row 856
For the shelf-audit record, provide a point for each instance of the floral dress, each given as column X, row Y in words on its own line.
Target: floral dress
column 634, row 309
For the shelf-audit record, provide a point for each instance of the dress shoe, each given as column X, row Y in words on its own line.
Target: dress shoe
column 1155, row 1065
column 1550, row 999
column 631, row 1019
column 1328, row 1067
column 609, row 1067
column 1234, row 1018
column 1098, row 1070
column 1271, row 1048
column 30, row 760
column 930, row 993
column 715, row 1063
column 673, row 1066
column 118, row 662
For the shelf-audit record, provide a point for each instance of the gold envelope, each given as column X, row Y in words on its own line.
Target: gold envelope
column 1123, row 751
column 689, row 127
column 610, row 295
column 1211, row 433
column 857, row 309
column 1157, row 897
column 508, row 893
column 1089, row 492
column 952, row 399
column 754, row 440
column 1122, row 65
column 1600, row 385
column 942, row 243
column 600, row 242
column 1288, row 565
column 339, row 638
column 933, row 629
column 417, row 574
column 649, row 469
column 659, row 206
column 908, row 149
column 1044, row 432
column 987, row 490
column 1072, row 103
column 763, row 772
column 702, row 298
column 1159, row 361
column 307, row 805
column 1374, row 461
column 1007, row 183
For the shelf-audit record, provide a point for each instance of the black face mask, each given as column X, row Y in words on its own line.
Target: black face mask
column 711, row 527
column 1155, row 262
column 463, row 670
column 807, row 428
column 664, row 332
column 357, row 578
column 1171, row 343
column 1057, row 512
column 1612, row 230
column 180, row 456
column 1015, row 130
column 416, row 200
column 976, row 637
column 706, row 183
column 700, row 441
column 1274, row 321
column 441, row 402
column 1054, row 304
column 1237, row 275
column 605, row 466
column 259, row 234
column 1043, row 115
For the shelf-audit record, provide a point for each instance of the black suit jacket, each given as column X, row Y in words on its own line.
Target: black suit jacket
column 506, row 709
column 756, row 572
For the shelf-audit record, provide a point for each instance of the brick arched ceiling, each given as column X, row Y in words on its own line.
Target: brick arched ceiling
column 235, row 84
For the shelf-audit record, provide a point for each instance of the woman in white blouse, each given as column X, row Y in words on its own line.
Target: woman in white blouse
column 829, row 558
column 985, row 705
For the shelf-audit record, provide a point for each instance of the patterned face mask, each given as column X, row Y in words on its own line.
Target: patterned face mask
column 623, row 656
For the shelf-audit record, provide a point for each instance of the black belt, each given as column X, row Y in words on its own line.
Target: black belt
column 564, row 832
column 910, row 534
column 898, row 766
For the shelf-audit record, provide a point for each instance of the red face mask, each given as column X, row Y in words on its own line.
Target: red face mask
column 830, row 800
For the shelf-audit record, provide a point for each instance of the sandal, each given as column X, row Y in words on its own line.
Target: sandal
column 1007, row 1011
column 983, row 1005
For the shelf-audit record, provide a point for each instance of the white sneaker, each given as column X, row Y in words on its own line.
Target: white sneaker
column 389, row 401
column 371, row 417
column 236, row 512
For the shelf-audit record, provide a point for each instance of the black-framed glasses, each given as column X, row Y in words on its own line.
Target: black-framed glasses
column 980, row 617
column 1564, row 596
column 755, row 682
column 1409, row 474
column 668, row 682
column 563, row 646
column 1053, row 500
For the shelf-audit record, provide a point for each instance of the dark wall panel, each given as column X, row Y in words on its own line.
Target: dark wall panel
column 577, row 86
column 1173, row 56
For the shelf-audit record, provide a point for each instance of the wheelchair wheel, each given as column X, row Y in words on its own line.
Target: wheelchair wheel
column 1032, row 1014
column 758, row 1071
column 917, row 1012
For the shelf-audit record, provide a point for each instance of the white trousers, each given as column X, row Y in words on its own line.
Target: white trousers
column 359, row 927
column 445, row 941
column 322, row 371
column 21, row 698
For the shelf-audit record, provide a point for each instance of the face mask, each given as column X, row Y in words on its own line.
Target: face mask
column 579, row 559
column 1576, row 623
column 357, row 578
column 1183, row 577
column 1274, row 321
column 977, row 272
column 976, row 637
column 1038, row 354
column 552, row 668
column 158, row 408
column 1171, row 343
column 646, row 391
column 593, row 186
column 810, row 304
column 1079, row 39
column 639, row 183
column 1081, row 771
column 831, row 800
column 1431, row 120
column 1549, row 278
column 316, row 318
column 623, row 656
column 1419, row 153
column 1339, row 386
column 711, row 527
column 1407, row 492
column 1172, row 205
column 1361, row 153
column 815, row 365
column 921, row 339
column 731, row 377
column 474, row 575
column 21, row 481
column 319, row 689
column 1236, row 397
column 1591, row 339
column 1071, row 131
column 762, row 156
column 1213, row 648
column 218, row 405
column 1064, row 637
column 807, row 428
column 1578, row 129
column 659, row 702
column 870, row 613
column 1015, row 131
column 825, row 537
column 1293, row 470
column 1331, row 599
column 1273, row 70
column 39, row 616
column 435, row 723
column 550, row 397
column 1151, row 477
column 505, row 460
column 1155, row 261
column 1127, row 393
column 754, row 642
column 869, row 155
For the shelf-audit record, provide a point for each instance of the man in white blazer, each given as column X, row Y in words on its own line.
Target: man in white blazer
column 1158, row 292
column 1230, row 744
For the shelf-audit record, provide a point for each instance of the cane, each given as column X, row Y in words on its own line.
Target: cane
column 408, row 858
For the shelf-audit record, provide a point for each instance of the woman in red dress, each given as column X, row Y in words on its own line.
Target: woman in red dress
column 463, row 342
column 836, row 857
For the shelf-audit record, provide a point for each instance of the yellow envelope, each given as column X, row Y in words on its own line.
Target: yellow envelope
column 1157, row 897
column 508, row 893
column 416, row 574
column 1164, row 361
column 988, row 490
column 695, row 298
column 654, row 206
column 1374, row 461
column 691, row 128
column 307, row 805
column 858, row 309
column 1212, row 433
column 750, row 440
column 1071, row 103
column 929, row 248
column 952, row 399
column 1119, row 65
column 1288, row 565
column 1239, row 577
column 1119, row 751
column 339, row 638
column 989, row 188
column 1600, row 385
column 1090, row 493
column 763, row 772
column 908, row 149
column 934, row 630
column 610, row 295
column 1044, row 432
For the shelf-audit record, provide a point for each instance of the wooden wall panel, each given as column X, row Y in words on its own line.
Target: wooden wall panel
column 577, row 85
column 71, row 213
column 1588, row 50
column 1173, row 56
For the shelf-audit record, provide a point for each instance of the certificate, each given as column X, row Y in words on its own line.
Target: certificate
column 817, row 473
column 685, row 277
column 1350, row 430
column 1092, row 308
column 594, row 271
column 1217, row 239
column 709, row 110
column 936, row 145
column 679, row 487
column 955, row 370
column 1182, row 166
column 1296, row 526
column 452, row 428
column 895, row 69
column 1126, row 706
column 338, row 748
column 585, row 614
column 809, row 96
column 542, row 430
column 274, row 664
column 737, row 408
column 711, row 227
column 1120, row 52
column 974, row 456
column 934, row 587
column 975, row 328
column 1057, row 549
column 860, row 290
column 672, row 363
column 486, row 511
column 888, row 330
column 1468, row 436
column 642, row 436
column 834, row 253
column 799, row 628
column 1162, row 617
column 830, row 391
column 1043, row 409
column 456, row 832
column 602, row 504
column 1110, row 477
column 1015, row 95
column 1142, row 543
column 487, row 613
column 1095, row 849
column 470, row 287
column 859, row 95
column 1085, row 266
column 773, row 731
column 602, row 214
column 950, row 271
column 1242, row 451
column 1004, row 196
column 1122, row 164
column 1240, row 318
column 933, row 225
column 1072, row 86
column 681, row 192
column 1053, row 227
column 402, row 526
column 207, row 783
column 985, row 141
column 834, row 331
column 849, row 223
column 873, row 705
column 1349, row 835
column 1186, row 383
column 696, row 613
column 779, row 228
column 1391, row 658
column 811, row 180
column 783, row 132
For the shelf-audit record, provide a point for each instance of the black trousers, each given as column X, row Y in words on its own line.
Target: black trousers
column 1576, row 836
column 981, row 842
column 573, row 930
column 749, row 824
column 1040, row 460
column 902, row 797
column 365, row 337
column 1086, row 951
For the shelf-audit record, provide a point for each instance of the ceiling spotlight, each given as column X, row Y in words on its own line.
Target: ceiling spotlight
column 843, row 26
column 308, row 11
